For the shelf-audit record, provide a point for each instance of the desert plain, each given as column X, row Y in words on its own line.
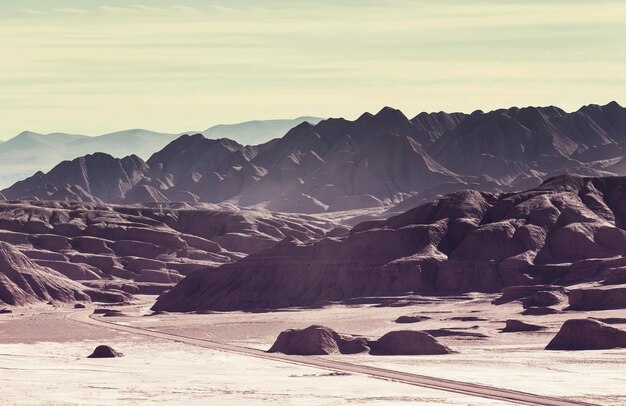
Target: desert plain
column 43, row 356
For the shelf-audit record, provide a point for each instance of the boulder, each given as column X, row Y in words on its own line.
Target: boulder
column 615, row 276
column 598, row 298
column 587, row 334
column 411, row 319
column 541, row 298
column 104, row 351
column 407, row 342
column 317, row 340
column 513, row 326
column 511, row 293
column 539, row 311
column 449, row 332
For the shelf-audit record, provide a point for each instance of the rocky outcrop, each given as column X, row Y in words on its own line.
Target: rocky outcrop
column 598, row 298
column 587, row 334
column 541, row 298
column 104, row 351
column 511, row 293
column 411, row 319
column 565, row 231
column 141, row 250
column 407, row 342
column 22, row 281
column 513, row 326
column 320, row 340
column 317, row 340
column 539, row 311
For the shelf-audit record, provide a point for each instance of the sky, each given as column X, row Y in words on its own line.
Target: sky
column 97, row 66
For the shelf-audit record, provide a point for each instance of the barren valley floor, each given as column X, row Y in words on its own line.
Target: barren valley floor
column 43, row 357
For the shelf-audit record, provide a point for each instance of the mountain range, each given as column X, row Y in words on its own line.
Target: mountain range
column 383, row 161
column 29, row 152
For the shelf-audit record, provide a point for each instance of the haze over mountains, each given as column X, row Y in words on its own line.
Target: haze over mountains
column 29, row 152
column 256, row 131
column 376, row 161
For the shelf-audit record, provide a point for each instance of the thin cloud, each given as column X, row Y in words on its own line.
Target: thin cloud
column 185, row 9
column 69, row 10
column 31, row 11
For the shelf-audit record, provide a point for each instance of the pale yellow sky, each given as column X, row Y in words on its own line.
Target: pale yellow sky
column 98, row 66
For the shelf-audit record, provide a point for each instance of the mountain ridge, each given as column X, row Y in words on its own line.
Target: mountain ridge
column 377, row 160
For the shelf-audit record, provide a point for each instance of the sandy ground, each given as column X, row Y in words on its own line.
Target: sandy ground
column 50, row 368
column 42, row 357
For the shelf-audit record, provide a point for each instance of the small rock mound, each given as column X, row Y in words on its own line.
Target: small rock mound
column 539, row 311
column 411, row 319
column 79, row 306
column 513, row 326
column 408, row 342
column 104, row 351
column 511, row 293
column 587, row 334
column 448, row 332
column 541, row 299
column 468, row 318
column 317, row 340
column 104, row 310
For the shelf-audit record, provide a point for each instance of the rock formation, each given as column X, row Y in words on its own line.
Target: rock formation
column 566, row 230
column 513, row 326
column 411, row 319
column 407, row 342
column 22, row 281
column 320, row 340
column 598, row 298
column 317, row 340
column 104, row 351
column 587, row 334
column 130, row 250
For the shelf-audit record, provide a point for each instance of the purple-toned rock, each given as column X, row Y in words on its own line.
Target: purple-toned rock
column 539, row 311
column 317, row 340
column 411, row 319
column 587, row 334
column 22, row 281
column 407, row 342
column 599, row 298
column 541, row 299
column 513, row 326
column 104, row 351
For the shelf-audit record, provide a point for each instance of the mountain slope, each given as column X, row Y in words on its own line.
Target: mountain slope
column 374, row 162
column 568, row 229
